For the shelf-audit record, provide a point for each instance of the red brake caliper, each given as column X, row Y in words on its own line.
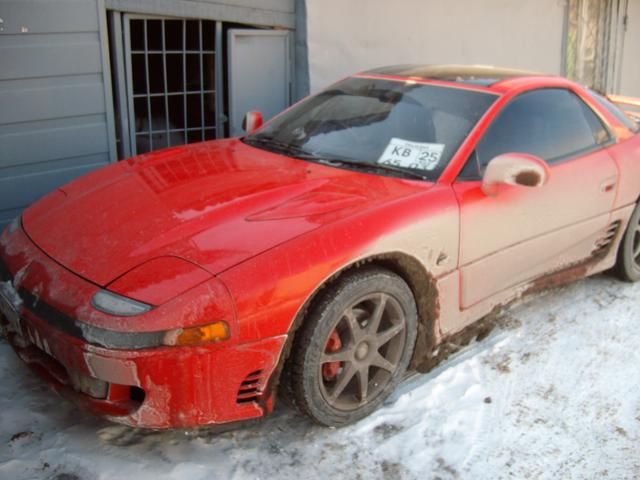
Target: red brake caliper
column 330, row 370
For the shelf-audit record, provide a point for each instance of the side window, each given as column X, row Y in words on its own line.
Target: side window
column 553, row 124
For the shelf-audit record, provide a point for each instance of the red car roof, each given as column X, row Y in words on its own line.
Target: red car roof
column 482, row 77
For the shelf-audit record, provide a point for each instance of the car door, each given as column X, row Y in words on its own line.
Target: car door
column 523, row 233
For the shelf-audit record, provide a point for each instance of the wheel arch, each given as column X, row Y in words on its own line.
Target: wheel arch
column 425, row 292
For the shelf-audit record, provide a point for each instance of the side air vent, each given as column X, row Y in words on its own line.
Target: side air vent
column 248, row 391
column 603, row 243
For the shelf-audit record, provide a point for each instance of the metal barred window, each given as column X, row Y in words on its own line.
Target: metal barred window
column 185, row 80
column 171, row 80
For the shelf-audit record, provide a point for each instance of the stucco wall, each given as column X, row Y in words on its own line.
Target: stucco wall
column 630, row 75
column 347, row 36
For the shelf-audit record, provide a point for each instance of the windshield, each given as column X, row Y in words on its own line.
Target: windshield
column 387, row 126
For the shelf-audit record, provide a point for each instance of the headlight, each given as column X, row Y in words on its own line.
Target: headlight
column 114, row 304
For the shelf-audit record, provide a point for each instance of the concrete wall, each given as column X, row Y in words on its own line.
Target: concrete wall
column 348, row 36
column 630, row 75
column 257, row 12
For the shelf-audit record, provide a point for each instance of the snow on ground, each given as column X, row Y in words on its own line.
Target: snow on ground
column 551, row 393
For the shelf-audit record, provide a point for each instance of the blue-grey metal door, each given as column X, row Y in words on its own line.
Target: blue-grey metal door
column 259, row 74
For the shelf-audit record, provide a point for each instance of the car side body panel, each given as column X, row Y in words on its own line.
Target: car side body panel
column 626, row 154
column 452, row 318
column 524, row 232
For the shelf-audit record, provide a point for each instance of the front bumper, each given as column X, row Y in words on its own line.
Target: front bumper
column 163, row 387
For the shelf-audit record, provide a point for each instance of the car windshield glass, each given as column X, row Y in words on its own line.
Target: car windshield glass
column 371, row 124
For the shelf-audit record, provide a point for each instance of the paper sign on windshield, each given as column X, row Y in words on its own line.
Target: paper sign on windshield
column 403, row 153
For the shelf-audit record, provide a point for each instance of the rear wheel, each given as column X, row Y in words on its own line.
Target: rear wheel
column 354, row 347
column 628, row 263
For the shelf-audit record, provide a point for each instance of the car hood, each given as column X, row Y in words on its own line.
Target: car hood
column 214, row 204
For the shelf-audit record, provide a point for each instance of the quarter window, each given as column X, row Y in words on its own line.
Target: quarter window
column 614, row 110
column 553, row 124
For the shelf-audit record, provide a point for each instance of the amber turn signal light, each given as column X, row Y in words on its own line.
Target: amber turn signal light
column 190, row 336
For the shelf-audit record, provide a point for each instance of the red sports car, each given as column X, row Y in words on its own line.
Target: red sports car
column 325, row 253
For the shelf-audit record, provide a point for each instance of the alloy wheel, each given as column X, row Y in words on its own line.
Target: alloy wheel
column 362, row 352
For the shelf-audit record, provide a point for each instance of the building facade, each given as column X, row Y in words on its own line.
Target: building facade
column 84, row 83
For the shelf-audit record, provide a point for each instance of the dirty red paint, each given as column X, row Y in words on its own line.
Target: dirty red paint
column 222, row 231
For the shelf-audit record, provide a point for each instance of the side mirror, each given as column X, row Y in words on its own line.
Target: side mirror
column 252, row 121
column 514, row 169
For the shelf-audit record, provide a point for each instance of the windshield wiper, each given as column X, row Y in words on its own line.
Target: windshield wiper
column 299, row 152
column 278, row 146
column 371, row 166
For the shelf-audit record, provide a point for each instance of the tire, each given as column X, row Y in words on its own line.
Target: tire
column 353, row 348
column 628, row 261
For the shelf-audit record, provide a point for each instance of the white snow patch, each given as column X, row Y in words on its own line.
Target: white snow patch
column 553, row 393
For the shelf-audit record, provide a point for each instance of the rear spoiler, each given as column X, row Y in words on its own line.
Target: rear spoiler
column 630, row 105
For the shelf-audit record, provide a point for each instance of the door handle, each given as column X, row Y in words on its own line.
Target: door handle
column 608, row 185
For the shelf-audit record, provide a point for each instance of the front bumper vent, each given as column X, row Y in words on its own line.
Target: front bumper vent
column 249, row 388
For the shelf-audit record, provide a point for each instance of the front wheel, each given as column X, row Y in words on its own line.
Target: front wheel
column 354, row 347
column 628, row 263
